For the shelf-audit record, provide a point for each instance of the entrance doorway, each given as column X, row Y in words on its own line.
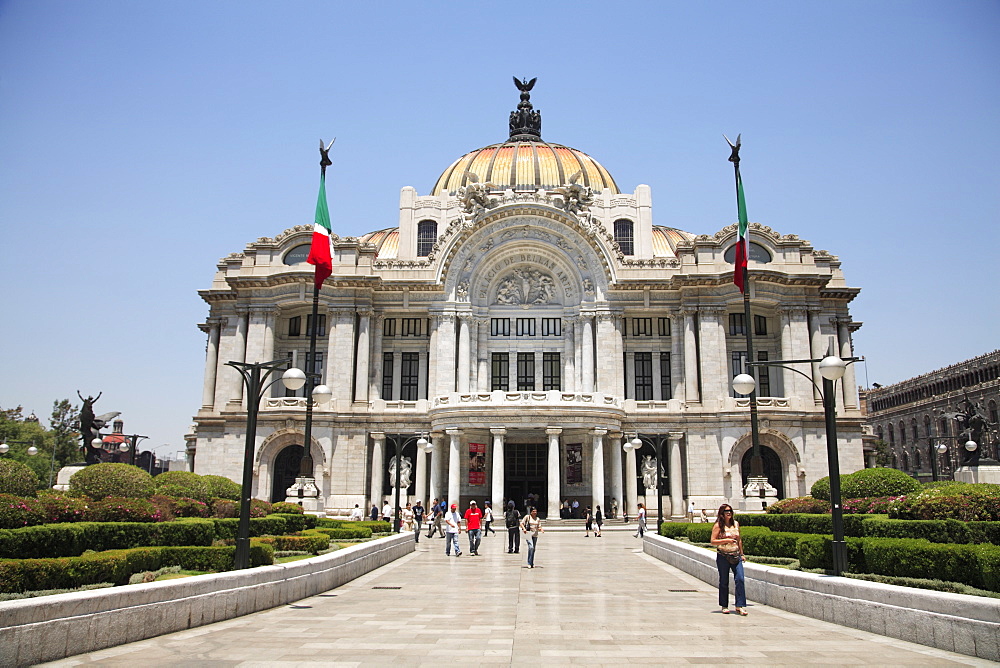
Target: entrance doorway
column 772, row 468
column 286, row 469
column 526, row 475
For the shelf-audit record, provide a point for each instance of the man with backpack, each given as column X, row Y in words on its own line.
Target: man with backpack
column 512, row 520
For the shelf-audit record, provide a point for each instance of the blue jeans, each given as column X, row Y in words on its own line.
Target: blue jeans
column 449, row 540
column 475, row 536
column 724, row 568
column 532, row 542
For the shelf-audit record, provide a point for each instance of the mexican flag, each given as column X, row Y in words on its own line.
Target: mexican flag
column 742, row 245
column 319, row 252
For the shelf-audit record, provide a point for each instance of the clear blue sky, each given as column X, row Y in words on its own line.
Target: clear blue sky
column 142, row 141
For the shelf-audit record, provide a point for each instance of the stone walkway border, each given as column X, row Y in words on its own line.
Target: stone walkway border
column 47, row 628
column 954, row 622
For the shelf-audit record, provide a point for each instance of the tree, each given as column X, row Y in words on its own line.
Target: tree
column 65, row 436
column 15, row 427
column 883, row 454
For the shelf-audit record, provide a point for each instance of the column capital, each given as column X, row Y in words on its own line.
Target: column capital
column 615, row 434
column 675, row 436
column 262, row 308
column 713, row 310
column 365, row 312
column 453, row 432
column 498, row 431
column 687, row 311
column 377, row 436
column 340, row 310
column 379, row 318
column 599, row 432
column 553, row 431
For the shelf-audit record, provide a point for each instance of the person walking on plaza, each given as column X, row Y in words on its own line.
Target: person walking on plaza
column 589, row 516
column 532, row 527
column 386, row 512
column 729, row 557
column 512, row 520
column 473, row 526
column 407, row 518
column 437, row 517
column 641, row 529
column 418, row 520
column 374, row 513
column 454, row 523
column 488, row 519
column 356, row 514
column 598, row 521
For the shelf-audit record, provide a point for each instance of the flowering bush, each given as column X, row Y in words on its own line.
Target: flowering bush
column 221, row 487
column 283, row 507
column 182, row 484
column 57, row 508
column 16, row 478
column 184, row 507
column 98, row 481
column 17, row 512
column 259, row 508
column 164, row 506
column 878, row 505
column 224, row 508
column 113, row 509
column 980, row 503
column 799, row 504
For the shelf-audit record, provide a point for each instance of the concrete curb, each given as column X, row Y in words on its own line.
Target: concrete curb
column 54, row 627
column 954, row 622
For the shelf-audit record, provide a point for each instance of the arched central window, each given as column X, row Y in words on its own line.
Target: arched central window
column 426, row 234
column 624, row 235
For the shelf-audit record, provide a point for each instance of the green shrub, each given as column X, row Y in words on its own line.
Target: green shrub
column 314, row 542
column 816, row 551
column 17, row 512
column 16, row 478
column 799, row 504
column 983, row 532
column 221, row 487
column 347, row 533
column 57, row 508
column 675, row 529
column 223, row 508
column 273, row 525
column 282, row 507
column 182, row 484
column 919, row 558
column 111, row 509
column 935, row 531
column 259, row 508
column 821, row 488
column 700, row 533
column 98, row 481
column 868, row 506
column 975, row 505
column 876, row 482
column 73, row 539
column 376, row 527
column 760, row 541
column 296, row 521
column 329, row 523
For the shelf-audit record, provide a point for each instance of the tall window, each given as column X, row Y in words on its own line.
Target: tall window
column 389, row 327
column 551, row 326
column 762, row 376
column 320, row 324
column 643, row 376
column 624, row 236
column 387, row 376
column 411, row 326
column 409, row 377
column 663, row 326
column 295, row 326
column 551, row 371
column 426, row 234
column 759, row 325
column 526, row 371
column 308, row 364
column 500, row 377
column 737, row 324
column 525, row 326
column 665, row 380
column 642, row 326
column 902, row 434
column 499, row 326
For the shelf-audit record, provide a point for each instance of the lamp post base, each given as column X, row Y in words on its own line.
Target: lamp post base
column 758, row 494
column 987, row 471
column 306, row 494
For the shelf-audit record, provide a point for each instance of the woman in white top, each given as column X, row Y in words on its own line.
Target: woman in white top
column 641, row 529
column 532, row 527
column 407, row 518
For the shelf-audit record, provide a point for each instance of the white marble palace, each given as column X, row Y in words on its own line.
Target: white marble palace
column 528, row 318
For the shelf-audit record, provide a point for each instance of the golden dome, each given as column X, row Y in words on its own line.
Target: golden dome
column 525, row 165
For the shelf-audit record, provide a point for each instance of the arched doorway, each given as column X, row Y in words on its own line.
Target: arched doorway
column 286, row 469
column 772, row 469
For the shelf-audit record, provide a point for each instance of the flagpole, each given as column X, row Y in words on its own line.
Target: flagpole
column 756, row 462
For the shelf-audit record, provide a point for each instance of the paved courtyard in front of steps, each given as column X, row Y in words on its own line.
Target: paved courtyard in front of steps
column 589, row 601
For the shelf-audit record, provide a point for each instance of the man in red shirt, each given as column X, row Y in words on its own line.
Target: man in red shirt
column 473, row 525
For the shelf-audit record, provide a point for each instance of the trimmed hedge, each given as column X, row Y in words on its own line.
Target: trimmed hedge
column 313, row 541
column 283, row 507
column 221, row 487
column 807, row 523
column 183, row 484
column 120, row 480
column 347, row 533
column 16, row 478
column 272, row 525
column 117, row 566
column 296, row 521
column 73, row 539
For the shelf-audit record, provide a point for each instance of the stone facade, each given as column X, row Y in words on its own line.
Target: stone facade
column 526, row 333
column 911, row 416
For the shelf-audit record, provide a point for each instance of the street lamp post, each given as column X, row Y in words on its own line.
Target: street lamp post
column 254, row 378
column 657, row 443
column 832, row 368
column 31, row 451
column 940, row 448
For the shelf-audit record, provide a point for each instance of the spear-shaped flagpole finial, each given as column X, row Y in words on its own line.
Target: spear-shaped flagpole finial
column 324, row 155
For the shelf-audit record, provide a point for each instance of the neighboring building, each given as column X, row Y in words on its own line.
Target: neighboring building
column 527, row 319
column 915, row 414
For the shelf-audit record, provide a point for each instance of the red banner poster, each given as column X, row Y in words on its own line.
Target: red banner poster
column 574, row 463
column 477, row 463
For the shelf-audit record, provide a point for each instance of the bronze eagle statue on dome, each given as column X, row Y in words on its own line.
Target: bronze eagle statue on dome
column 524, row 85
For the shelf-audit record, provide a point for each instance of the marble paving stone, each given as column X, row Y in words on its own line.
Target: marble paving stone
column 594, row 603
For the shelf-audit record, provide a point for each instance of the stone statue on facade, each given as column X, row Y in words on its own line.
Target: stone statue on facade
column 405, row 472
column 526, row 286
column 475, row 196
column 649, row 472
column 576, row 199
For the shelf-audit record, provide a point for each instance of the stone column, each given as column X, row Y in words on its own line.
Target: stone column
column 691, row 394
column 677, row 356
column 677, row 508
column 497, row 482
column 239, row 352
column 657, row 377
column 578, row 353
column 800, row 350
column 340, row 349
column 554, row 465
column 597, row 454
column 631, row 501
column 817, row 350
column 270, row 317
column 211, row 365
column 608, row 362
column 483, row 357
column 454, row 465
column 712, row 386
column 364, row 351
column 569, row 357
column 615, row 448
column 375, row 387
column 437, row 456
column 256, row 329
column 587, row 353
column 432, row 361
column 444, row 365
column 629, row 360
column 464, row 352
column 378, row 470
column 421, row 481
column 787, row 375
column 848, row 383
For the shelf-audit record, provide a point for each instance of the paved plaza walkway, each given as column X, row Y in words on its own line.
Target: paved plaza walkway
column 589, row 601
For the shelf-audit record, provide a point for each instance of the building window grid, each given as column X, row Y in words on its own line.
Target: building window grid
column 320, row 322
column 500, row 367
column 643, row 376
column 525, row 372
column 759, row 325
column 551, row 372
column 295, row 326
column 409, row 377
column 624, row 236
column 551, row 326
column 426, row 235
column 663, row 326
column 642, row 326
column 499, row 326
column 389, row 327
column 665, row 380
column 760, row 373
column 737, row 324
column 412, row 326
column 387, row 360
column 525, row 326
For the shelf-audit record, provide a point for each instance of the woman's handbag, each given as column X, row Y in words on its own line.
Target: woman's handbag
column 732, row 557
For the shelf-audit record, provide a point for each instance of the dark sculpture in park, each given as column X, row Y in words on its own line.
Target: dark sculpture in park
column 90, row 426
column 976, row 426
